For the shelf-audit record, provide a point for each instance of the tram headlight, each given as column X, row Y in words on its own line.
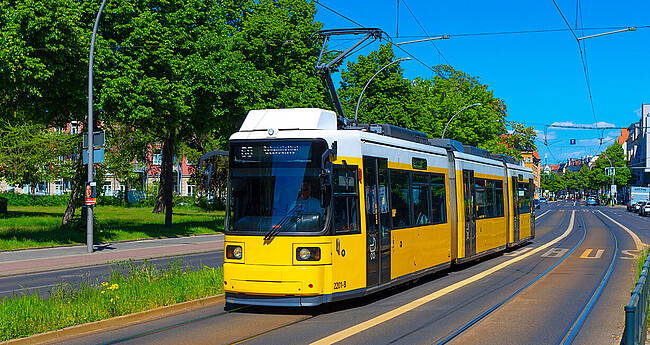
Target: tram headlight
column 234, row 252
column 308, row 254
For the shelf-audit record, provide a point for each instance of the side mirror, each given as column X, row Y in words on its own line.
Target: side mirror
column 206, row 175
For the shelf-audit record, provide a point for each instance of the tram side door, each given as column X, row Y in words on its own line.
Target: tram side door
column 469, row 189
column 515, row 207
column 375, row 177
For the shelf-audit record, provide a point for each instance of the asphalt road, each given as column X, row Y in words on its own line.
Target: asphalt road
column 45, row 282
column 568, row 285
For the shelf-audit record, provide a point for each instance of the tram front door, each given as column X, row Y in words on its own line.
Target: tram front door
column 375, row 177
column 469, row 189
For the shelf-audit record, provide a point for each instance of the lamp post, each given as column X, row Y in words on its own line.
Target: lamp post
column 91, row 150
column 356, row 111
column 469, row 106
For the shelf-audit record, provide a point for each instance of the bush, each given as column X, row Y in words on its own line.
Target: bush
column 15, row 199
column 110, row 201
column 215, row 204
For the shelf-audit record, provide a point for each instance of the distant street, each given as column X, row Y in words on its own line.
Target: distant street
column 567, row 286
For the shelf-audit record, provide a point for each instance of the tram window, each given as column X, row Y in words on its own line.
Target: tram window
column 480, row 200
column 420, row 189
column 438, row 197
column 399, row 184
column 489, row 198
column 498, row 198
column 524, row 197
column 346, row 197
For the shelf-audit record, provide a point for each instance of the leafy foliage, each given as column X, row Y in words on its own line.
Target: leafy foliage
column 428, row 105
column 30, row 153
column 41, row 64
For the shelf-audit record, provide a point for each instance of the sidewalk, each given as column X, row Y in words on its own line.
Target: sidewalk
column 46, row 259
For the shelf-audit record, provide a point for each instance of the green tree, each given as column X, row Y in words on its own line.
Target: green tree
column 388, row 97
column 126, row 148
column 31, row 153
column 613, row 156
column 181, row 69
column 427, row 105
column 43, row 69
column 520, row 139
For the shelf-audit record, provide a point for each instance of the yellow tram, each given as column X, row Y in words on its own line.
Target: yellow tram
column 317, row 212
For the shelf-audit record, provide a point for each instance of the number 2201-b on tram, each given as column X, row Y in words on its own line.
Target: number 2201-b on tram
column 318, row 213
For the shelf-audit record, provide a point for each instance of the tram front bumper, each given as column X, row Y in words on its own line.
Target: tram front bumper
column 266, row 280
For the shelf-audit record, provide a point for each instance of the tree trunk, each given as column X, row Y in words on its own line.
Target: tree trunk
column 164, row 201
column 168, row 154
column 77, row 183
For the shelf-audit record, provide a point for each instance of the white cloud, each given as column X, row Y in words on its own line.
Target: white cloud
column 574, row 154
column 562, row 124
column 547, row 136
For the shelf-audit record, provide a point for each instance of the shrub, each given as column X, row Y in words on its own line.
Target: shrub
column 15, row 199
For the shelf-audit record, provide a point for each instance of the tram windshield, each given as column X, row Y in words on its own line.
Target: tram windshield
column 275, row 187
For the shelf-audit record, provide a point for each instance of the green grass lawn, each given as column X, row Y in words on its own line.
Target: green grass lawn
column 29, row 227
column 143, row 287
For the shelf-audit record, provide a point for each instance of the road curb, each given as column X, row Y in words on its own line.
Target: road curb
column 103, row 262
column 116, row 322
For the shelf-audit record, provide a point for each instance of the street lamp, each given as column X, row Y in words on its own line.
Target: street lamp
column 91, row 149
column 368, row 83
column 469, row 106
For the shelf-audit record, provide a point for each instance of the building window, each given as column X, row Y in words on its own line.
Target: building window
column 157, row 159
column 107, row 189
column 74, row 128
column 190, row 189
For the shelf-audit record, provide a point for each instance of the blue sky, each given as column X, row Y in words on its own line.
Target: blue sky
column 540, row 76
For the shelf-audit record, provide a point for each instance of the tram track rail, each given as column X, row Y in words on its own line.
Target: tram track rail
column 578, row 321
column 480, row 317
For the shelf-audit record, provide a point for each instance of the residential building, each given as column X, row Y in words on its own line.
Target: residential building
column 637, row 153
column 531, row 160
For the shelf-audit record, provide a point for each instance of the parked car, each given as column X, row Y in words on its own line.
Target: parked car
column 646, row 209
column 642, row 211
column 537, row 203
column 637, row 206
column 629, row 206
column 591, row 201
column 543, row 200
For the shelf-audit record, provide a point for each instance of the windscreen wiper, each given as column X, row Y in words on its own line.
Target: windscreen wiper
column 275, row 229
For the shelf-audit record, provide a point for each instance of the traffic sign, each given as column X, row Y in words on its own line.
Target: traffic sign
column 98, row 139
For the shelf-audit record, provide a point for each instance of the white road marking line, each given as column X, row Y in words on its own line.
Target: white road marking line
column 428, row 298
column 637, row 241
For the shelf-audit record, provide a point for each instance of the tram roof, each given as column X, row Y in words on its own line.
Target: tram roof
column 268, row 120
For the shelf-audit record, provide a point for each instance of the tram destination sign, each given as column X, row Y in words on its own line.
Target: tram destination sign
column 293, row 151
